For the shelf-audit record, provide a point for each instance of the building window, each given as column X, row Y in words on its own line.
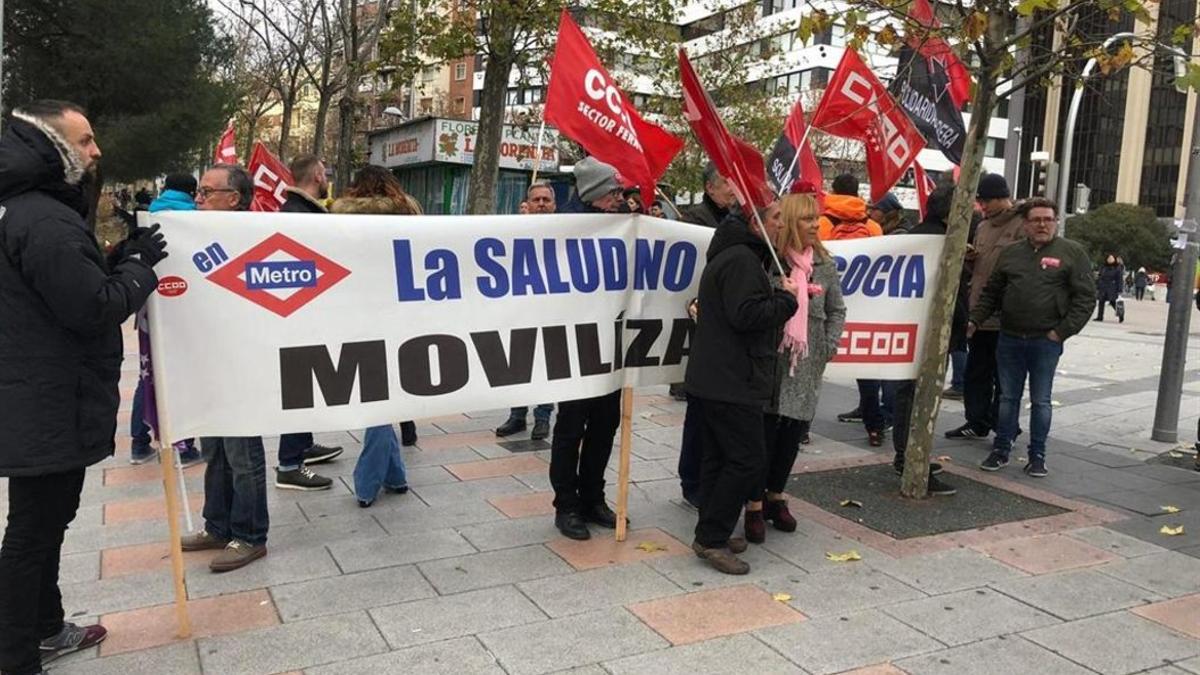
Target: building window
column 460, row 105
column 994, row 148
column 513, row 97
column 770, row 7
column 460, row 72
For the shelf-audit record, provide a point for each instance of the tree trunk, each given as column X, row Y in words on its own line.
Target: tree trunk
column 285, row 125
column 485, row 171
column 251, row 128
column 318, row 145
column 932, row 373
column 345, row 150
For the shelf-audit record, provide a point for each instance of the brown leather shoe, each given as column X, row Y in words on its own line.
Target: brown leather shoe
column 756, row 527
column 236, row 555
column 203, row 541
column 721, row 559
column 738, row 545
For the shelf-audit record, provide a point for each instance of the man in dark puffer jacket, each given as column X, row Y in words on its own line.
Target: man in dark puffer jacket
column 62, row 305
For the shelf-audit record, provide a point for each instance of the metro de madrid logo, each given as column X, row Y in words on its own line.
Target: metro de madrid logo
column 279, row 274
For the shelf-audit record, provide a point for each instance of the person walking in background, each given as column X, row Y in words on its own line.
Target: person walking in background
column 810, row 341
column 731, row 377
column 1043, row 290
column 1140, row 281
column 376, row 190
column 63, row 304
column 1108, row 288
column 539, row 198
column 1001, row 227
column 889, row 213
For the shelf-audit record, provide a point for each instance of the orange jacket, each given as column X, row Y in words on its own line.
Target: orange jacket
column 851, row 214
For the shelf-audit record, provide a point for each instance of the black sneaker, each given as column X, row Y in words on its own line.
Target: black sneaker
column 142, row 455
column 514, row 425
column 571, row 525
column 318, row 454
column 541, row 430
column 994, row 462
column 1036, row 467
column 939, row 489
column 852, row 416
column 934, row 468
column 301, row 479
column 70, row 639
column 966, row 431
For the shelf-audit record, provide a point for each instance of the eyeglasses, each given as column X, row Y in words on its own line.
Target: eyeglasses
column 206, row 192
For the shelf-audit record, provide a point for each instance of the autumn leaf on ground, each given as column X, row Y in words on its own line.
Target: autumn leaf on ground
column 1170, row 509
column 650, row 547
column 1055, row 404
column 1168, row 530
column 851, row 502
column 781, row 597
column 1174, row 454
column 849, row 556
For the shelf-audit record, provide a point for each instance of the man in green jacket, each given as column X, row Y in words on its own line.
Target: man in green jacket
column 1043, row 290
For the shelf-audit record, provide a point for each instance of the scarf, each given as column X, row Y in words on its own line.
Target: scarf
column 795, row 331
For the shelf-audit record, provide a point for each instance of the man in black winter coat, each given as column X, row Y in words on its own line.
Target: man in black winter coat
column 298, row 450
column 584, row 431
column 730, row 377
column 62, row 303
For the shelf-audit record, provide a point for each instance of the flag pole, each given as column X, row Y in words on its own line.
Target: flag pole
column 667, row 200
column 623, row 465
column 787, row 184
column 537, row 154
column 183, row 491
column 171, row 487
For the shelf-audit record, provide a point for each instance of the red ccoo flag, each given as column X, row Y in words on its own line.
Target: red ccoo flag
column 270, row 177
column 587, row 107
column 226, row 152
column 857, row 105
column 925, row 186
column 734, row 158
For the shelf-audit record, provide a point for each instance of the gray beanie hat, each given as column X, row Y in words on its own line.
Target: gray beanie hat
column 594, row 179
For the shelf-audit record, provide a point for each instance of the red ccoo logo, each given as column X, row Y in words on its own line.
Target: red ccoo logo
column 172, row 286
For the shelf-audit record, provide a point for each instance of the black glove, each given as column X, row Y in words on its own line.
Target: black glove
column 147, row 245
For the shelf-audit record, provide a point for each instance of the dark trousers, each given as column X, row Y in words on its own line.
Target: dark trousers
column 235, row 489
column 1035, row 359
column 541, row 412
column 1139, row 292
column 875, row 402
column 579, row 450
column 781, row 438
column 904, row 402
column 690, row 454
column 39, row 510
column 731, row 437
column 1101, row 303
column 981, row 385
column 291, row 449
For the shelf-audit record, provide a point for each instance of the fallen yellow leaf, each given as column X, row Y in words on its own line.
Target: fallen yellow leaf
column 851, row 502
column 781, row 597
column 1175, row 454
column 1171, row 531
column 847, row 556
column 1170, row 509
column 650, row 547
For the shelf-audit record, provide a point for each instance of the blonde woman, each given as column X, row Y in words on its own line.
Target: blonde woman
column 810, row 340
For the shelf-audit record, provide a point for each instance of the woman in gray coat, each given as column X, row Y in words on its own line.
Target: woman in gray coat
column 810, row 340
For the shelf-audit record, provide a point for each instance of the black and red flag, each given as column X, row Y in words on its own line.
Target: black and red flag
column 792, row 159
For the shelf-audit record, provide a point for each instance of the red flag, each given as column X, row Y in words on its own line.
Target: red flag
column 587, row 107
column 936, row 49
column 735, row 159
column 925, row 186
column 270, row 177
column 857, row 105
column 226, row 152
column 792, row 162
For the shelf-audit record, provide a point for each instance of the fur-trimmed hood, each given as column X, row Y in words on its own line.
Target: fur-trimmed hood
column 366, row 205
column 33, row 156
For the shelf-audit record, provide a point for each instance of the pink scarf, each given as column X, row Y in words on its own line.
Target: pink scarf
column 795, row 332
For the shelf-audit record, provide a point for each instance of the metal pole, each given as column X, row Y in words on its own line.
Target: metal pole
column 1, row 56
column 1064, row 175
column 1179, row 316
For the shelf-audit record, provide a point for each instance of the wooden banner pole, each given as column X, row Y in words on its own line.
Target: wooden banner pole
column 623, row 465
column 171, row 488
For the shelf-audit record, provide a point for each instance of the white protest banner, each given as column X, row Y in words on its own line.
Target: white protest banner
column 281, row 322
column 888, row 283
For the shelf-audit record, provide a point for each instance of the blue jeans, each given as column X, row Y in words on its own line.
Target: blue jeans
column 137, row 424
column 1017, row 358
column 958, row 366
column 235, row 489
column 291, row 450
column 541, row 413
column 380, row 463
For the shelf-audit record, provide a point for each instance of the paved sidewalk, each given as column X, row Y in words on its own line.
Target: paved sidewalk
column 466, row 573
